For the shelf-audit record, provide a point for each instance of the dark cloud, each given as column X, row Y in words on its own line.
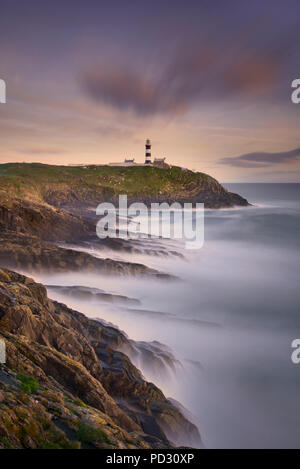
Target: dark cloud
column 261, row 159
column 175, row 87
column 196, row 56
column 126, row 89
column 156, row 57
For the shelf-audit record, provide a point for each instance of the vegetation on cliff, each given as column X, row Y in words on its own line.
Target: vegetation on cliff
column 60, row 185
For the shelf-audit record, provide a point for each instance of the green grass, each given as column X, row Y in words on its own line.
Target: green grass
column 35, row 179
column 7, row 444
column 88, row 434
column 28, row 383
column 77, row 402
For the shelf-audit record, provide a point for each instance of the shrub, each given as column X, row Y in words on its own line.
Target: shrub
column 28, row 383
column 6, row 443
column 88, row 434
column 63, row 445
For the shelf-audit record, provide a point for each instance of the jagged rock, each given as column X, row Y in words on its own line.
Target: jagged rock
column 42, row 220
column 70, row 354
column 82, row 292
column 51, row 419
column 20, row 251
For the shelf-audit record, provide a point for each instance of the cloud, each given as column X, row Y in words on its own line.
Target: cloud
column 254, row 76
column 193, row 75
column 126, row 89
column 262, row 159
column 238, row 58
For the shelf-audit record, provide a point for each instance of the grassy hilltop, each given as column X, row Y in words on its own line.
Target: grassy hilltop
column 59, row 185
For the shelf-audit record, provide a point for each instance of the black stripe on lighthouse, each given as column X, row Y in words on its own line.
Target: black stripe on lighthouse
column 148, row 152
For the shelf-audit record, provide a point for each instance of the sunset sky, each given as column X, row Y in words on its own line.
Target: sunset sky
column 209, row 82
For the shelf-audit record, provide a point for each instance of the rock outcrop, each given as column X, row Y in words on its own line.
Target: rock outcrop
column 28, row 253
column 42, row 220
column 92, row 294
column 67, row 384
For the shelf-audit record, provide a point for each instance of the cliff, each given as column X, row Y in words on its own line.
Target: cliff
column 42, row 203
column 67, row 384
column 69, row 381
column 64, row 185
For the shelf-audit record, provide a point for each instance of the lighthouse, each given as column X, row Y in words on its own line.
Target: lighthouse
column 148, row 152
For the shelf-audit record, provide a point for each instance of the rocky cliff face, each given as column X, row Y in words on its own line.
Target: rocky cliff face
column 67, row 383
column 42, row 220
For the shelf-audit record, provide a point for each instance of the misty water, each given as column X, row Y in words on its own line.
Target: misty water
column 229, row 320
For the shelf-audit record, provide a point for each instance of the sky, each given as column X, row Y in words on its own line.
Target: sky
column 208, row 81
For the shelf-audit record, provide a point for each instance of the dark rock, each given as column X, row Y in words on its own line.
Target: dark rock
column 82, row 292
column 20, row 251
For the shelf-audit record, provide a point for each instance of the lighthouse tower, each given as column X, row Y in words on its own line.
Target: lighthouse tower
column 148, row 152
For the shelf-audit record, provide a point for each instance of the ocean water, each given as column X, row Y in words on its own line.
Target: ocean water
column 230, row 319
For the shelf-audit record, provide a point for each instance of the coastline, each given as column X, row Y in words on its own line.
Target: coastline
column 31, row 231
column 86, row 361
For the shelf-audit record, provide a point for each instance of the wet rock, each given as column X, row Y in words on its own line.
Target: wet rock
column 96, row 294
column 19, row 251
